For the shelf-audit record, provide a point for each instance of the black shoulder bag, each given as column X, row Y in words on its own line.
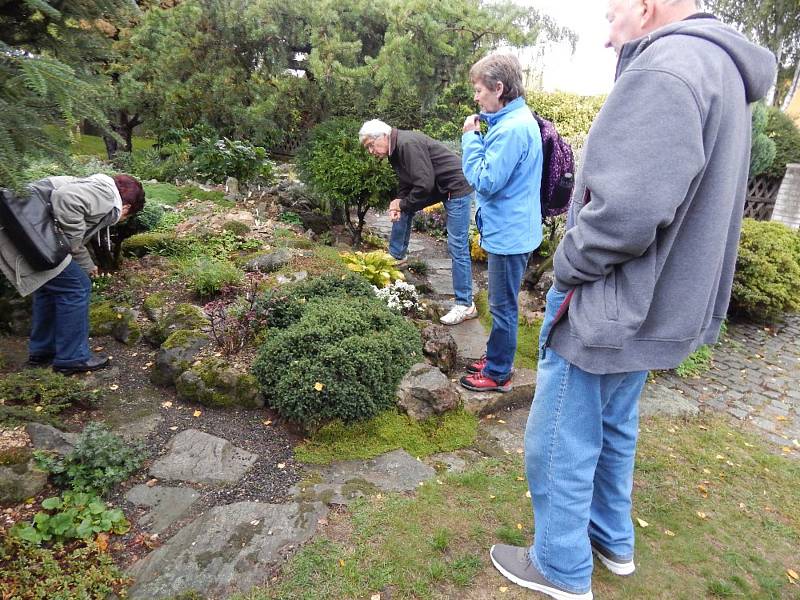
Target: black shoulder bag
column 31, row 226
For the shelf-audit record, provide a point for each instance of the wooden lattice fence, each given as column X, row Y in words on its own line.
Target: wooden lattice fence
column 761, row 195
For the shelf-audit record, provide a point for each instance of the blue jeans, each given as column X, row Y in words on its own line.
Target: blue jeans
column 458, row 217
column 60, row 324
column 580, row 443
column 505, row 278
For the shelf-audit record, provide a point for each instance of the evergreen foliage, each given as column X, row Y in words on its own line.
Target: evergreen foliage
column 783, row 131
column 762, row 152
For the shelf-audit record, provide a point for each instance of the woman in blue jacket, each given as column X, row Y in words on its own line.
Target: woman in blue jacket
column 504, row 166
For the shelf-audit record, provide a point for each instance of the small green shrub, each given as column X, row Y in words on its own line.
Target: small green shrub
column 74, row 515
column 767, row 279
column 377, row 267
column 696, row 363
column 193, row 192
column 99, row 461
column 150, row 216
column 763, row 150
column 783, row 131
column 572, row 114
column 30, row 572
column 342, row 360
column 290, row 218
column 162, row 193
column 220, row 159
column 237, row 228
column 335, row 165
column 208, row 276
column 283, row 307
column 40, row 394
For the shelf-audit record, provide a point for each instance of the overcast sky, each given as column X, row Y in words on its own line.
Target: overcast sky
column 591, row 69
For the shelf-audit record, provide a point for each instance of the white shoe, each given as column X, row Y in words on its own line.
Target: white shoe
column 459, row 313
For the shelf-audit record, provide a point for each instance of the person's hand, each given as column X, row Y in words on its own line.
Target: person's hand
column 395, row 204
column 471, row 123
column 394, row 215
column 95, row 272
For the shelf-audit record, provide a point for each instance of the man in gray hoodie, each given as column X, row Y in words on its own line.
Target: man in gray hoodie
column 642, row 277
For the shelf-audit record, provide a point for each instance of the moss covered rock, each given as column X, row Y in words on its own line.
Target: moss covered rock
column 177, row 354
column 212, row 383
column 182, row 316
column 155, row 305
column 118, row 321
column 152, row 241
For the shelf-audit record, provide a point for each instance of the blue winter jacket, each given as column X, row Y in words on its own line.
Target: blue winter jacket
column 505, row 168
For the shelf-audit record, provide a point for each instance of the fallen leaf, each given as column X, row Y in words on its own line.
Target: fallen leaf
column 519, row 526
column 782, row 418
column 38, row 409
column 166, row 404
column 501, row 421
column 707, row 471
column 197, row 413
column 503, row 589
column 375, row 597
column 703, row 490
column 174, row 428
column 720, row 457
column 749, row 445
column 98, row 349
column 528, row 494
column 113, row 387
column 792, row 574
column 642, row 522
column 520, row 479
column 267, row 422
column 319, row 386
column 669, row 533
column 786, row 449
column 702, row 515
column 151, row 482
column 281, row 465
column 102, row 541
column 492, row 497
column 341, row 562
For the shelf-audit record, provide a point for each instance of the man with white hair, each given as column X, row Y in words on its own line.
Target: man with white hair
column 643, row 276
column 428, row 173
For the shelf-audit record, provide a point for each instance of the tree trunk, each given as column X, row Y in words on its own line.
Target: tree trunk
column 123, row 127
column 787, row 101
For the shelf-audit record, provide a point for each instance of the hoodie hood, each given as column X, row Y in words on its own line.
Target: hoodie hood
column 755, row 64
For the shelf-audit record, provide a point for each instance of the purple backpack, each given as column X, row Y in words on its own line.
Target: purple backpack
column 558, row 166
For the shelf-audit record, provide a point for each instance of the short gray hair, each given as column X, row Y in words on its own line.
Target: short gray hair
column 373, row 129
column 503, row 68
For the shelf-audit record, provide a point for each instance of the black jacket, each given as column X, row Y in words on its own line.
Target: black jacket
column 427, row 171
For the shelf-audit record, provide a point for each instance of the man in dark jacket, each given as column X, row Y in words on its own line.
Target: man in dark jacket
column 428, row 173
column 643, row 276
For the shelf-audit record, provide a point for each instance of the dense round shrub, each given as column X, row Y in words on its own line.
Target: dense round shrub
column 150, row 216
column 762, row 152
column 782, row 130
column 341, row 360
column 284, row 307
column 767, row 279
column 572, row 114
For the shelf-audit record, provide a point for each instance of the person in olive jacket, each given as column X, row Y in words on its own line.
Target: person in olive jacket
column 84, row 207
column 428, row 173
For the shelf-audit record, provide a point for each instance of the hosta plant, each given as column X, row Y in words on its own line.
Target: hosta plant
column 377, row 267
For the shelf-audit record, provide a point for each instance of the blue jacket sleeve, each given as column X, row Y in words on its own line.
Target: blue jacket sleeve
column 488, row 167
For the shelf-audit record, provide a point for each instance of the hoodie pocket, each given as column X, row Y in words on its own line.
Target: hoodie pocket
column 610, row 302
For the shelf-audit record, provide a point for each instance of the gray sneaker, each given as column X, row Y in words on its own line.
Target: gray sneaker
column 613, row 562
column 515, row 565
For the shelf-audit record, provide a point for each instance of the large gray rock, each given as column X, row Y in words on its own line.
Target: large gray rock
column 45, row 437
column 181, row 317
column 211, row 383
column 439, row 347
column 425, row 391
column 230, row 548
column 198, row 457
column 342, row 482
column 268, row 263
column 167, row 504
column 20, row 481
column 471, row 338
column 483, row 403
column 658, row 399
column 176, row 355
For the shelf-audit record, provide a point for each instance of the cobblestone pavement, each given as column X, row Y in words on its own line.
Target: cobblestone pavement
column 755, row 378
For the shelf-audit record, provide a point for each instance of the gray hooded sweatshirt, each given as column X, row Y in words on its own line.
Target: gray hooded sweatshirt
column 653, row 231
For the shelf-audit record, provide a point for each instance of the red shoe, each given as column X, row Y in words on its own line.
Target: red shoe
column 477, row 382
column 478, row 366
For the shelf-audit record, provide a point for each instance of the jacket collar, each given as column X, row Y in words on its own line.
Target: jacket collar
column 392, row 140
column 492, row 118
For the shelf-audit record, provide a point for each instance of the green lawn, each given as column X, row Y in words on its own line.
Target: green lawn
column 720, row 518
column 93, row 145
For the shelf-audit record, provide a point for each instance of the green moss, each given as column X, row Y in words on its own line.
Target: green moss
column 182, row 338
column 193, row 192
column 150, row 242
column 155, row 301
column 182, row 316
column 236, row 227
column 389, row 431
column 162, row 193
column 102, row 318
column 15, row 456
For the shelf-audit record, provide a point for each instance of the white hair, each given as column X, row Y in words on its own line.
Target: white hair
column 373, row 129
